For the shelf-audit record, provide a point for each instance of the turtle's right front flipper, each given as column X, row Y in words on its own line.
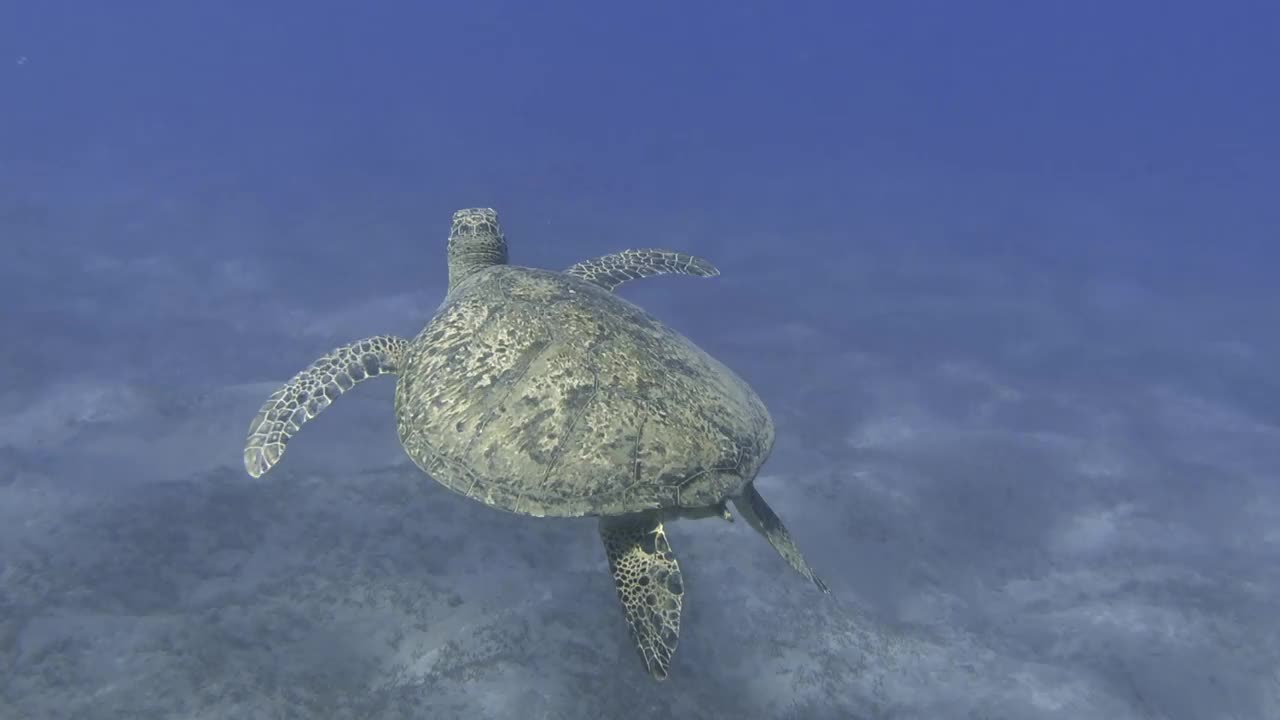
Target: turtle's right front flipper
column 610, row 271
column 311, row 391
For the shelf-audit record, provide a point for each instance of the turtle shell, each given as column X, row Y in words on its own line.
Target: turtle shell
column 543, row 394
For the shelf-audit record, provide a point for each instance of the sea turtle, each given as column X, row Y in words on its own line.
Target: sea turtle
column 543, row 393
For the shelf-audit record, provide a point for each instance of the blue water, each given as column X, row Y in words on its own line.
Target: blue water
column 1003, row 272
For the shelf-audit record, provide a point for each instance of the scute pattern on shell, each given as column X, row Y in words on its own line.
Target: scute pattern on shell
column 543, row 394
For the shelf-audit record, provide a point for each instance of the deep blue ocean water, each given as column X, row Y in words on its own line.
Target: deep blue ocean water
column 1004, row 274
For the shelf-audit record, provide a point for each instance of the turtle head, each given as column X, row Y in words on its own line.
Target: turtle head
column 475, row 242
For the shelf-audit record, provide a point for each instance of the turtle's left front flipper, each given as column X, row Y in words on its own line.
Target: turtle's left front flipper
column 610, row 271
column 312, row 390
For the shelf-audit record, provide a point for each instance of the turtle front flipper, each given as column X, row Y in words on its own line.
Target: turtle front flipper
column 610, row 271
column 649, row 585
column 310, row 391
column 760, row 516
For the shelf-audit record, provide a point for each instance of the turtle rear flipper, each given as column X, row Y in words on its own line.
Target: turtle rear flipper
column 610, row 271
column 649, row 585
column 312, row 390
column 752, row 507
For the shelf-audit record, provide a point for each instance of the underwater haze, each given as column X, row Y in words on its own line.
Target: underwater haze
column 1004, row 274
